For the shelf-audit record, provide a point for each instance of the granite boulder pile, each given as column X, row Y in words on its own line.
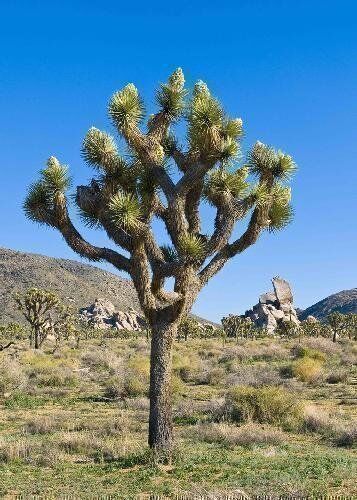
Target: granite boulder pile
column 102, row 314
column 274, row 307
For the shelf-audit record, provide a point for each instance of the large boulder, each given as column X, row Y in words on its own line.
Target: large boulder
column 102, row 314
column 274, row 307
column 282, row 291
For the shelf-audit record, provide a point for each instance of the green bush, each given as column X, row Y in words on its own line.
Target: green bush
column 20, row 400
column 307, row 352
column 266, row 405
column 307, row 370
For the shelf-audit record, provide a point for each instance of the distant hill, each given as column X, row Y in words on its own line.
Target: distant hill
column 344, row 302
column 77, row 283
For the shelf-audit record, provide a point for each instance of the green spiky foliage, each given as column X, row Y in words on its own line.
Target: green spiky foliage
column 238, row 326
column 36, row 306
column 167, row 180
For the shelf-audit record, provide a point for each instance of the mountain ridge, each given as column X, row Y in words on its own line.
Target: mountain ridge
column 344, row 301
column 75, row 282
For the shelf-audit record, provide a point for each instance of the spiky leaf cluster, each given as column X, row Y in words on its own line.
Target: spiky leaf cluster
column 210, row 132
column 126, row 108
column 281, row 212
column 42, row 195
column 265, row 162
column 171, row 95
column 169, row 253
column 221, row 181
column 125, row 210
column 100, row 151
column 192, row 247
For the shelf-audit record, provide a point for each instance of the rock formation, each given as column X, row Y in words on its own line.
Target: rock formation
column 102, row 315
column 274, row 307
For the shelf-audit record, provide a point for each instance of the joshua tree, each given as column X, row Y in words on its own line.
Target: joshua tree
column 237, row 326
column 45, row 314
column 126, row 195
column 189, row 327
column 337, row 322
column 351, row 325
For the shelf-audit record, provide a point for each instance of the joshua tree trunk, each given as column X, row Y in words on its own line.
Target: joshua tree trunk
column 160, row 420
column 37, row 336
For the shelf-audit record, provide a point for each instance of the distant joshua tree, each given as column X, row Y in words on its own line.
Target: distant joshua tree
column 237, row 326
column 126, row 195
column 45, row 314
column 337, row 322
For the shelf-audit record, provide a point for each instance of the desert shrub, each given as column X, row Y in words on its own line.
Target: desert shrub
column 215, row 376
column 266, row 351
column 338, row 376
column 139, row 404
column 266, row 405
column 248, row 351
column 133, row 381
column 19, row 400
column 347, row 437
column 307, row 370
column 137, row 373
column 12, row 376
column 322, row 344
column 256, row 375
column 317, row 420
column 78, row 443
column 340, row 432
column 190, row 411
column 14, row 449
column 42, row 425
column 53, row 376
column 246, row 435
column 188, row 367
column 113, row 388
column 42, row 454
column 101, row 361
column 300, row 351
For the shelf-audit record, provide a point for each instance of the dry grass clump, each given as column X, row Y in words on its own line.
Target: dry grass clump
column 138, row 404
column 340, row 432
column 300, row 351
column 37, row 453
column 131, row 382
column 337, row 377
column 265, row 405
column 256, row 375
column 246, row 435
column 251, row 351
column 307, row 370
column 43, row 424
column 233, row 353
column 322, row 344
column 12, row 376
column 347, row 437
column 53, row 376
column 100, row 360
column 188, row 367
column 190, row 411
column 215, row 376
column 100, row 448
column 267, row 351
column 14, row 449
column 318, row 420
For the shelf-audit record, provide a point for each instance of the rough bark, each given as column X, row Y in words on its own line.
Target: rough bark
column 160, row 420
column 37, row 338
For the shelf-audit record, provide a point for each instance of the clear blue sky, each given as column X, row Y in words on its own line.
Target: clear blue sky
column 288, row 68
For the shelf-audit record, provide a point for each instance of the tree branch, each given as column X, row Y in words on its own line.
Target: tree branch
column 75, row 241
